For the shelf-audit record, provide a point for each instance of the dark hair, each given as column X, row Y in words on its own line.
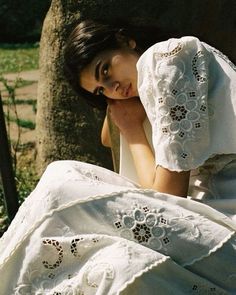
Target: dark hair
column 90, row 38
column 86, row 40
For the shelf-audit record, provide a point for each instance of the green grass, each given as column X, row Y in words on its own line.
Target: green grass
column 22, row 123
column 23, row 83
column 20, row 101
column 18, row 57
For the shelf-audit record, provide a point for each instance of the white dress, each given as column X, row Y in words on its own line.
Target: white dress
column 86, row 230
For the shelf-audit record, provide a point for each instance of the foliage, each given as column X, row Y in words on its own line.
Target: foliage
column 26, row 180
column 21, row 122
column 18, row 57
column 22, row 20
column 25, row 173
column 3, row 214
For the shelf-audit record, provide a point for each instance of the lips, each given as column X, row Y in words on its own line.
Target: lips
column 127, row 91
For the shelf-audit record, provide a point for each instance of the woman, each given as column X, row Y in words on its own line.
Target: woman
column 87, row 230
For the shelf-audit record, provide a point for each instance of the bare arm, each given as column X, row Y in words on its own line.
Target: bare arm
column 129, row 116
column 105, row 134
column 150, row 176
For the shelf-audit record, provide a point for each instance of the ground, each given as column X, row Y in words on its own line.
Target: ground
column 23, row 130
column 26, row 97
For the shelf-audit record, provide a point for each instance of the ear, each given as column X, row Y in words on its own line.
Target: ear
column 125, row 41
column 132, row 43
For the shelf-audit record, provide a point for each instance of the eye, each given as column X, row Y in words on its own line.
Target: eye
column 105, row 69
column 100, row 91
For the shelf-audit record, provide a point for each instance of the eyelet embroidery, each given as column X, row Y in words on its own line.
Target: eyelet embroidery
column 198, row 67
column 73, row 250
column 73, row 246
column 51, row 275
column 178, row 113
column 145, row 226
column 174, row 91
column 205, row 289
column 184, row 155
column 183, row 108
column 177, row 105
column 165, row 130
column 160, row 100
column 192, row 94
column 181, row 134
column 59, row 249
column 183, row 114
column 90, row 176
column 171, row 53
column 141, row 233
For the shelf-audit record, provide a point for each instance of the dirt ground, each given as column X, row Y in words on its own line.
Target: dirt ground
column 25, row 111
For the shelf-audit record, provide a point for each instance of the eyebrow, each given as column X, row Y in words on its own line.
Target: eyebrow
column 97, row 68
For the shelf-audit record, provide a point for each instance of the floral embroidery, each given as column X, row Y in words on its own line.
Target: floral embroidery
column 178, row 113
column 35, row 283
column 144, row 226
column 141, row 233
column 183, row 113
column 174, row 94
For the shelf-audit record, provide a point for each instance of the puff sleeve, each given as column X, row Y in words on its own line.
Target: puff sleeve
column 173, row 87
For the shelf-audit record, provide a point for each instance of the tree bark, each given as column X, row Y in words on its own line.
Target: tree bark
column 66, row 127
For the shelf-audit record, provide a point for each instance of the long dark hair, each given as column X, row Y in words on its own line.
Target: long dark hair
column 90, row 38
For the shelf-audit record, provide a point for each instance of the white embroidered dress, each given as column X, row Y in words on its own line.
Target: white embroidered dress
column 86, row 230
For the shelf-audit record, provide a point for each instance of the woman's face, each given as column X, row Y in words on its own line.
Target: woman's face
column 112, row 73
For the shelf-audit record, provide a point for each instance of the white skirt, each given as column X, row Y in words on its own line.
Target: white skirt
column 86, row 230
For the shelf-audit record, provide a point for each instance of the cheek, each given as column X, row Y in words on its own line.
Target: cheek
column 123, row 67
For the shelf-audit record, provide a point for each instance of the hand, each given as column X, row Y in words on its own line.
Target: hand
column 127, row 114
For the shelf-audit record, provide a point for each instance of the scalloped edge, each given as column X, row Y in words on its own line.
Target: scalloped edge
column 141, row 272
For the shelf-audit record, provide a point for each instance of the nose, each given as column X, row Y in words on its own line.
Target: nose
column 112, row 87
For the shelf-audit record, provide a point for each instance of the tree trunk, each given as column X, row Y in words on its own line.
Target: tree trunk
column 67, row 128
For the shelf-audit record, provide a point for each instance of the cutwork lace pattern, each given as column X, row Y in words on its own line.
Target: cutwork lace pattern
column 49, row 281
column 53, row 276
column 183, row 110
column 59, row 250
column 198, row 67
column 170, row 53
column 145, row 226
column 182, row 113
